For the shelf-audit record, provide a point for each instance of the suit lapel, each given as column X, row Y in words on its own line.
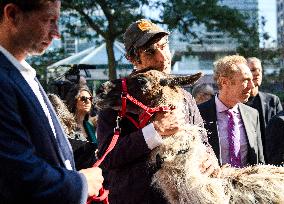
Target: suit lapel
column 65, row 147
column 248, row 125
column 263, row 106
column 213, row 127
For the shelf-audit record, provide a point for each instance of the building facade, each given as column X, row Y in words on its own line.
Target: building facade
column 280, row 23
column 214, row 44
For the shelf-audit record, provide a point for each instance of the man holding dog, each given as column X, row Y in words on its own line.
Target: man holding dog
column 129, row 174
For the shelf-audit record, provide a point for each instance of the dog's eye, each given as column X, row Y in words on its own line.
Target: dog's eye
column 142, row 81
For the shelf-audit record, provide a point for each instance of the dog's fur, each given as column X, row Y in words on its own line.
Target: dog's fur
column 179, row 177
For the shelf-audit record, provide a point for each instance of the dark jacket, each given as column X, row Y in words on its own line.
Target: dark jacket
column 269, row 106
column 84, row 149
column 251, row 124
column 31, row 158
column 275, row 140
column 129, row 174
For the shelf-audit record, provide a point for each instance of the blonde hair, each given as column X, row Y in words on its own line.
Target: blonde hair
column 226, row 67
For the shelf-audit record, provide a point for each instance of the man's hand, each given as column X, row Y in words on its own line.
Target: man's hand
column 209, row 165
column 94, row 179
column 168, row 123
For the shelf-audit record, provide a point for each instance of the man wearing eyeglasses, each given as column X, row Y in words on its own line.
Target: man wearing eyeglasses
column 129, row 174
column 36, row 160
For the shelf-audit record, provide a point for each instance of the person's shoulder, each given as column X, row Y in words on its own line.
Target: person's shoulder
column 248, row 108
column 207, row 104
column 280, row 115
column 277, row 119
column 4, row 72
column 6, row 81
column 187, row 94
column 268, row 96
column 7, row 70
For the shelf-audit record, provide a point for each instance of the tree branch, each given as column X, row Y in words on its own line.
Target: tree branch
column 86, row 17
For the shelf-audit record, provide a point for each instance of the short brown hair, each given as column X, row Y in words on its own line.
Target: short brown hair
column 24, row 5
column 226, row 67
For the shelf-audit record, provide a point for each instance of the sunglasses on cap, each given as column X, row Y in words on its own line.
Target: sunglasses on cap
column 85, row 98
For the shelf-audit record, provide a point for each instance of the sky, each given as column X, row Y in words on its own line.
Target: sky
column 267, row 8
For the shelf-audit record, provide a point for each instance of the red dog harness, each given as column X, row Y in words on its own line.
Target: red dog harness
column 143, row 118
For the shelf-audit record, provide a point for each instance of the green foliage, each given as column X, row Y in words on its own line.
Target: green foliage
column 273, row 83
column 184, row 15
column 107, row 19
column 249, row 43
column 110, row 18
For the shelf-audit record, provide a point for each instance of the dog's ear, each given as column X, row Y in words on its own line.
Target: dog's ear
column 180, row 80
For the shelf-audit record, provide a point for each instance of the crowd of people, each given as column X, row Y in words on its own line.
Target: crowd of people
column 48, row 145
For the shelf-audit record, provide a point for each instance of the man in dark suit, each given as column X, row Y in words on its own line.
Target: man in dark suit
column 128, row 170
column 267, row 104
column 275, row 140
column 243, row 146
column 37, row 164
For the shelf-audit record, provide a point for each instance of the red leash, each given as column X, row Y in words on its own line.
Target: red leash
column 143, row 118
column 103, row 195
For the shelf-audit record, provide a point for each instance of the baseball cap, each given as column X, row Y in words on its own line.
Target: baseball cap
column 140, row 32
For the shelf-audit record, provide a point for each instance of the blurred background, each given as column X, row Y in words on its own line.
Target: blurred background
column 91, row 47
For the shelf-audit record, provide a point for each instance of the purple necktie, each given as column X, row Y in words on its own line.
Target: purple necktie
column 234, row 140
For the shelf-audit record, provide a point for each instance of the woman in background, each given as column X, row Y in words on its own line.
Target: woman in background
column 84, row 151
column 79, row 102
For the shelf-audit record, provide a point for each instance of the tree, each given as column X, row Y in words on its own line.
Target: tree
column 183, row 15
column 250, row 44
column 110, row 18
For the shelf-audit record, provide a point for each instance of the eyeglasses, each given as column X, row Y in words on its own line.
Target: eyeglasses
column 85, row 98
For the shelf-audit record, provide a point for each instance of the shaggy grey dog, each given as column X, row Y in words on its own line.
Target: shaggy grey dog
column 179, row 177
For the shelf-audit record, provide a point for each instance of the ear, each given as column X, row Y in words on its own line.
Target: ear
column 12, row 13
column 181, row 80
column 224, row 81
